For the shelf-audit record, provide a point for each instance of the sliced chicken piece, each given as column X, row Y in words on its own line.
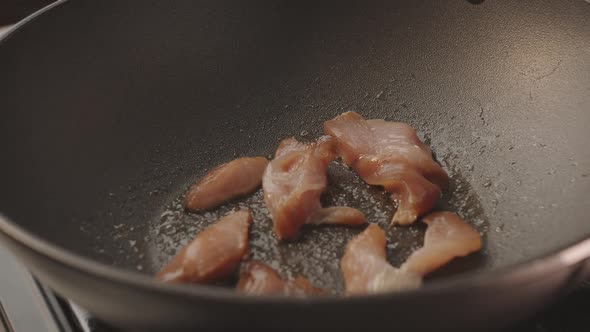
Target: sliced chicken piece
column 399, row 140
column 213, row 254
column 257, row 278
column 447, row 237
column 339, row 215
column 293, row 183
column 357, row 137
column 367, row 271
column 225, row 182
column 365, row 267
column 391, row 155
column 414, row 194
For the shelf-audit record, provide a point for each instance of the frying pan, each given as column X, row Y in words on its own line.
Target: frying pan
column 111, row 109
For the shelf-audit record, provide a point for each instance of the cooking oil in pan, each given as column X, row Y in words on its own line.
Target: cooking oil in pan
column 316, row 253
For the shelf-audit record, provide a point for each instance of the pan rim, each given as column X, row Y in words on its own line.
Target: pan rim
column 570, row 254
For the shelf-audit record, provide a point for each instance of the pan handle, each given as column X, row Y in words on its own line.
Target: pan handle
column 578, row 255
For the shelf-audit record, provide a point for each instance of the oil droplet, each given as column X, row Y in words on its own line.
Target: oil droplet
column 169, row 230
column 392, row 246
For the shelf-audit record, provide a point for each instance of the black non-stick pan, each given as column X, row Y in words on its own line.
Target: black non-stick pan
column 111, row 109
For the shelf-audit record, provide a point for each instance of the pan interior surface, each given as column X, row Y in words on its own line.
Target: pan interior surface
column 111, row 109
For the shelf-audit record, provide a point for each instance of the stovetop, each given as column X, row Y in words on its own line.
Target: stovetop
column 28, row 305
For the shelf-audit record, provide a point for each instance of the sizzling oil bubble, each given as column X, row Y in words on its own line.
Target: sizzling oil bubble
column 316, row 253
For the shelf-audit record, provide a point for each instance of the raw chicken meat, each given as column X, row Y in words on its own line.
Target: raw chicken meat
column 257, row 278
column 339, row 215
column 225, row 182
column 447, row 237
column 391, row 155
column 365, row 267
column 293, row 183
column 214, row 253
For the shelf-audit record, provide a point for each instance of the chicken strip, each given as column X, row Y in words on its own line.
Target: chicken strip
column 413, row 194
column 213, row 254
column 391, row 155
column 365, row 267
column 367, row 271
column 293, row 183
column 447, row 237
column 257, row 278
column 225, row 182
